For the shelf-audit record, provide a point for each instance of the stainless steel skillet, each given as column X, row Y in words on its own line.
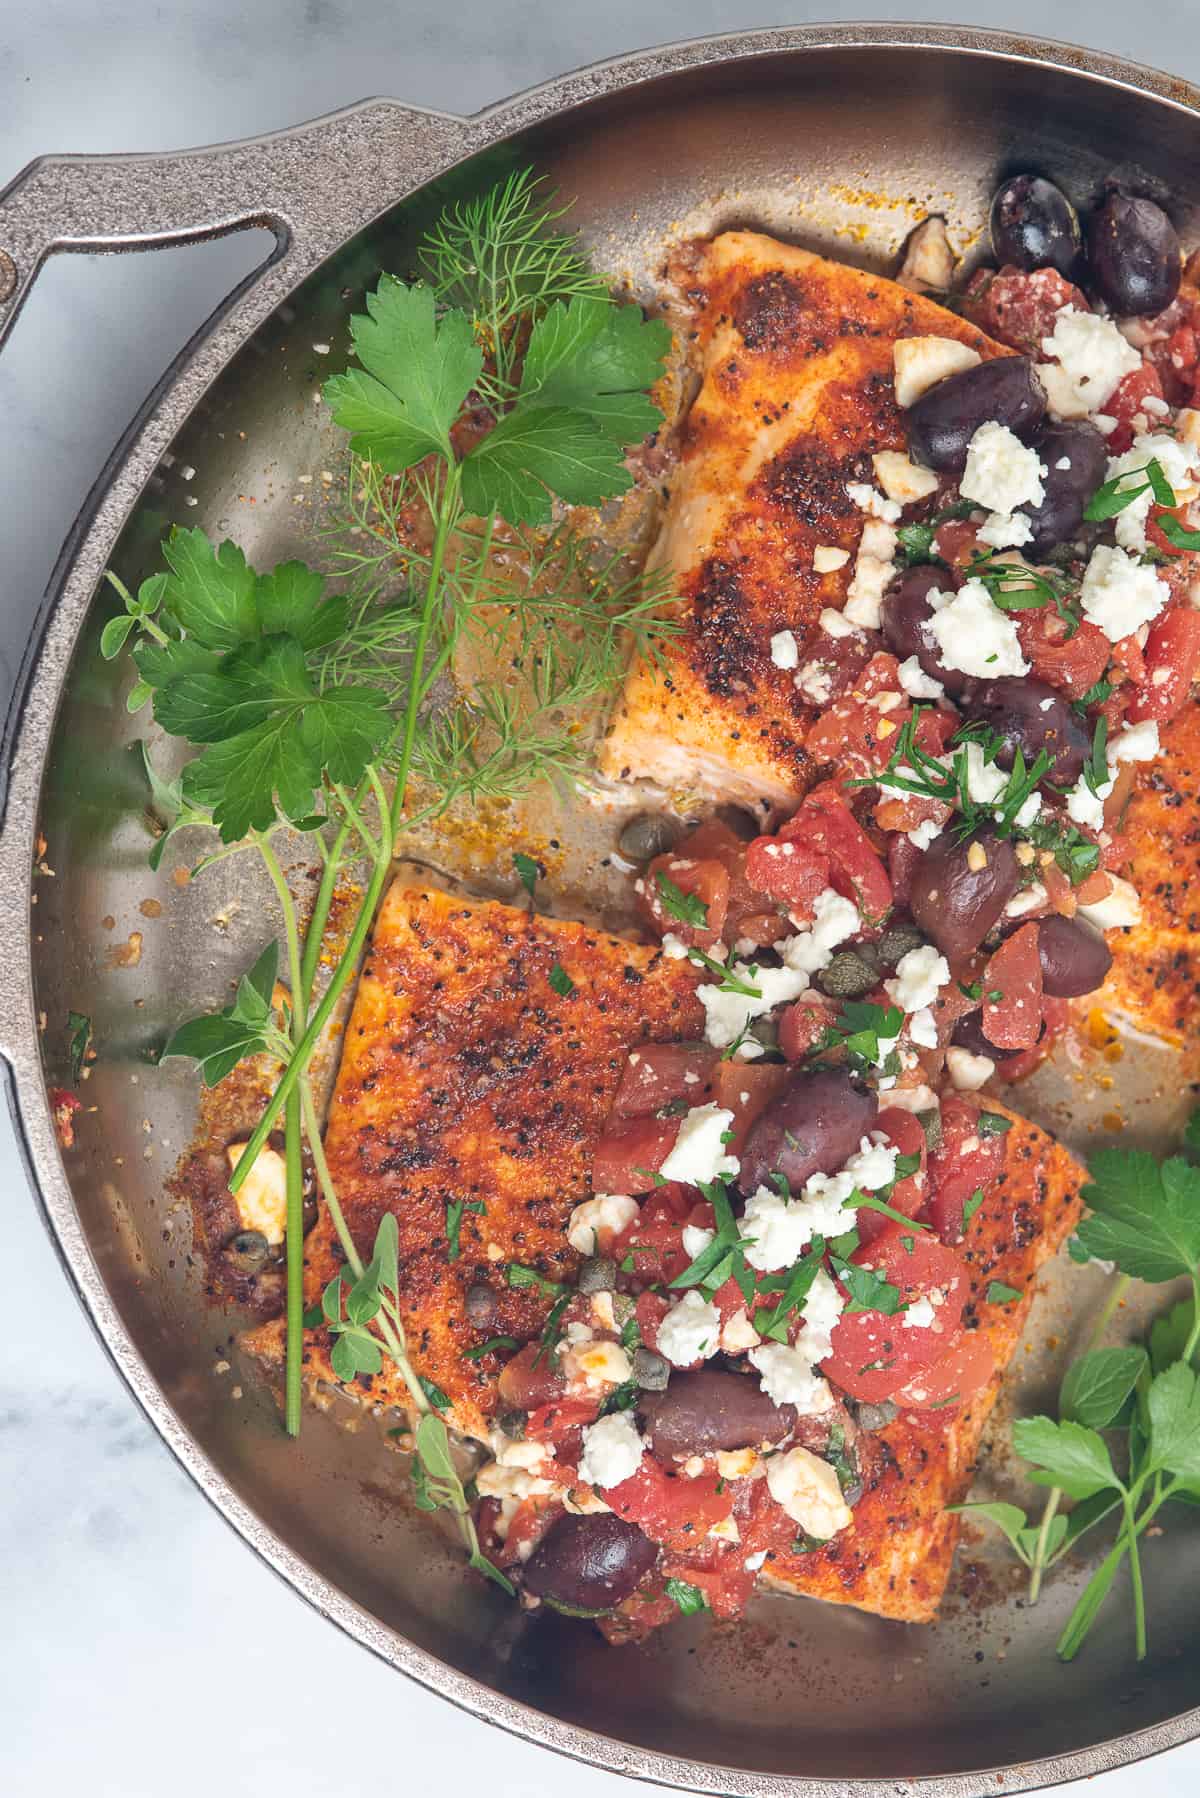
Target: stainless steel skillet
column 842, row 138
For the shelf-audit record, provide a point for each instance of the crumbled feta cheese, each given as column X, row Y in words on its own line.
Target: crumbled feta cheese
column 785, row 652
column 985, row 781
column 727, row 1530
column 916, row 683
column 836, row 624
column 1118, row 910
column 612, row 1450
column 596, row 1364
column 699, row 1153
column 925, row 833
column 778, row 1230
column 753, row 1563
column 1093, row 357
column 915, row 1098
column 674, row 947
column 787, row 1378
column 1005, row 530
column 864, row 596
column 821, row 1310
column 815, row 682
column 919, row 1314
column 1028, row 810
column 1120, row 594
column 738, row 1334
column 1031, row 898
column 727, row 1013
column 920, row 976
column 695, row 1240
column 834, row 919
column 524, row 1454
column 807, row 1489
column 869, row 500
column 921, row 362
column 922, row 1028
column 1178, row 462
column 973, row 635
column 1139, row 743
column 1085, row 806
column 1001, row 472
column 901, row 479
column 594, row 1223
column 738, row 1463
column 878, row 539
column 827, row 560
column 969, row 1072
column 690, row 1332
column 261, row 1200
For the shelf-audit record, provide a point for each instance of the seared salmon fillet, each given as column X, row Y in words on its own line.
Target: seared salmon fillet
column 895, row 1558
column 467, row 1080
column 796, row 394
column 1154, row 981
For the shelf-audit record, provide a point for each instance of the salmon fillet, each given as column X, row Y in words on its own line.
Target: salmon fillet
column 467, row 1077
column 895, row 1558
column 1154, row 981
column 795, row 359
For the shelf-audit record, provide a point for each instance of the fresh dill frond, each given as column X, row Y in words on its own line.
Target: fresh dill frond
column 498, row 258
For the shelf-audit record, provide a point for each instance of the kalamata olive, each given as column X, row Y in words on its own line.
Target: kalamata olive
column 1065, row 491
column 1034, row 225
column 598, row 1274
column 1030, row 716
column 586, row 1565
column 480, row 1304
column 968, row 1035
column 248, row 1252
column 906, row 610
column 848, row 976
column 1134, row 255
column 651, row 1371
column 812, row 1127
column 959, row 890
column 1075, row 958
column 943, row 421
column 700, row 1413
column 744, row 825
column 648, row 835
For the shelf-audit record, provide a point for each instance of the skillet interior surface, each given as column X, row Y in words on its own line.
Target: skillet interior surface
column 842, row 149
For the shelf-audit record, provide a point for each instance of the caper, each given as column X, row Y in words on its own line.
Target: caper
column 513, row 1424
column 649, row 834
column 650, row 1371
column 876, row 1417
column 848, row 976
column 480, row 1304
column 598, row 1274
column 931, row 1123
column 897, row 941
column 248, row 1251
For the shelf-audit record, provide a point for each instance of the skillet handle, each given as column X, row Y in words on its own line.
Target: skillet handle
column 312, row 186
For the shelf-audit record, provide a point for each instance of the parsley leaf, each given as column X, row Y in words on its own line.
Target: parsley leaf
column 560, row 980
column 416, row 372
column 79, row 1041
column 535, row 453
column 1174, row 1408
column 1065, row 1454
column 219, row 1040
column 868, row 1290
column 1000, row 1294
column 592, row 357
column 1146, row 1218
column 1098, row 1384
column 527, row 871
column 689, row 1599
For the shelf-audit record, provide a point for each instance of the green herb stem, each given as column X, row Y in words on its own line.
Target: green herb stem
column 1194, row 1333
column 1135, row 1574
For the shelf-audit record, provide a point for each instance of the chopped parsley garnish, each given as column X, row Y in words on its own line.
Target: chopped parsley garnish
column 724, row 1257
column 687, row 1598
column 993, row 1123
column 793, row 1289
column 1015, row 588
column 868, row 1290
column 527, row 871
column 454, row 1217
column 492, row 1346
column 1000, row 1294
column 1124, row 488
column 518, row 1276
column 860, row 1028
column 560, row 980
column 971, row 1205
column 688, row 908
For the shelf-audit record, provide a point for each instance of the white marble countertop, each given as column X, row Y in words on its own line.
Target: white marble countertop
column 125, row 1599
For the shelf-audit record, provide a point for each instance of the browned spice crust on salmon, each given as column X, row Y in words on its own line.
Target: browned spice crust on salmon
column 795, row 358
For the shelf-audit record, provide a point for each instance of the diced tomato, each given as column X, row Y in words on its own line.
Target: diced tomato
column 1097, row 886
column 963, row 1162
column 1127, row 403
column 905, row 1134
column 956, row 542
column 1056, row 1015
column 726, row 1585
column 1175, row 357
column 746, row 1088
column 825, row 821
column 1074, row 663
column 670, row 1507
column 530, row 1379
column 793, row 873
column 745, row 913
column 704, row 880
column 802, row 1026
column 940, row 1391
column 654, row 1239
column 1127, row 654
column 528, row 1524
column 630, row 1153
column 1172, row 659
column 874, row 1354
column 1019, row 309
column 656, row 1073
column 651, row 1308
column 561, row 1421
column 1012, row 992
